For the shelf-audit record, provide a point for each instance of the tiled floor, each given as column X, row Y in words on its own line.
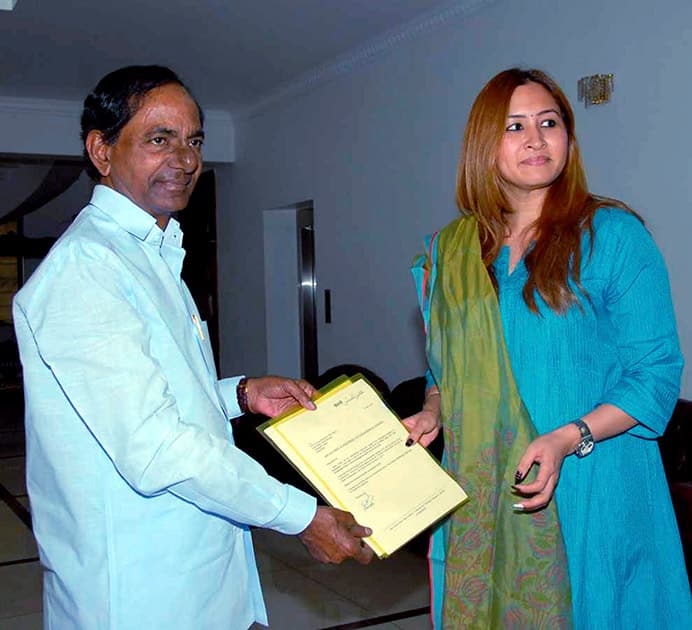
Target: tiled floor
column 300, row 593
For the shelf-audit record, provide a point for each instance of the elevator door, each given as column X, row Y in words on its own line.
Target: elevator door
column 290, row 291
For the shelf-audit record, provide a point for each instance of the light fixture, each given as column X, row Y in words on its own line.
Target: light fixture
column 7, row 5
column 596, row 89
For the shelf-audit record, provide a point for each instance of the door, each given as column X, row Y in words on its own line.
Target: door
column 198, row 222
column 290, row 291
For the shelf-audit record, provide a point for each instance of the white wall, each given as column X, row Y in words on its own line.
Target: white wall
column 281, row 282
column 51, row 127
column 376, row 149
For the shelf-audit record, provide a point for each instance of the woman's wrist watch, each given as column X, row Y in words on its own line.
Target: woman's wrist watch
column 586, row 442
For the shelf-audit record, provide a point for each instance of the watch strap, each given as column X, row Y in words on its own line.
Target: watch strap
column 241, row 395
column 586, row 443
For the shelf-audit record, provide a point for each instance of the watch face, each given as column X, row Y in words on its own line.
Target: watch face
column 585, row 447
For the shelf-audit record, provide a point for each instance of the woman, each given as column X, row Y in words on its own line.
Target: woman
column 553, row 356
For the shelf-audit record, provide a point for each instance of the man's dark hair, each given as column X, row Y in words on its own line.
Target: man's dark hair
column 116, row 99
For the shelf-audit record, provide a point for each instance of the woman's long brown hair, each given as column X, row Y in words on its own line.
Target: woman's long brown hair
column 568, row 209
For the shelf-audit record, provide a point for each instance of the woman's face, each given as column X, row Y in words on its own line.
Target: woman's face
column 533, row 149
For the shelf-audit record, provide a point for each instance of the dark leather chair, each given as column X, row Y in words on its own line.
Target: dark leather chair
column 675, row 445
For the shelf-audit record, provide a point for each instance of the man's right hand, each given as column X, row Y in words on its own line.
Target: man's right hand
column 334, row 536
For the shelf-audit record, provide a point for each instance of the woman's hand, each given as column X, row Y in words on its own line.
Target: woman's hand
column 424, row 426
column 548, row 451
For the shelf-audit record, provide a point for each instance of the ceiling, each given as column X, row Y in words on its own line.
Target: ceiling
column 232, row 53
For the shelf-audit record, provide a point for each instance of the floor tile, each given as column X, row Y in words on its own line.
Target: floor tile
column 383, row 626
column 294, row 602
column 421, row 622
column 20, row 591
column 371, row 588
column 25, row 622
column 395, row 584
column 16, row 540
column 12, row 475
column 12, row 443
column 288, row 549
column 267, row 563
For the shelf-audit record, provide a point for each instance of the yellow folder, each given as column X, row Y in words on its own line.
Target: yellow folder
column 352, row 450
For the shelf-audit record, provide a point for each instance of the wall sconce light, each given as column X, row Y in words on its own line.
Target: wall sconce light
column 7, row 5
column 596, row 89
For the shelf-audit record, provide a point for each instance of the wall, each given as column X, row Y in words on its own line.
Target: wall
column 376, row 149
column 51, row 127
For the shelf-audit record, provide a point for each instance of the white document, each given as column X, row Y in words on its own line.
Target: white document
column 353, row 451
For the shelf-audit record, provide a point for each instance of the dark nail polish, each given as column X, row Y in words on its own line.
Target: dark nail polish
column 518, row 476
column 409, row 442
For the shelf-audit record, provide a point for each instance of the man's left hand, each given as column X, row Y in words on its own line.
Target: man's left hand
column 273, row 395
column 334, row 536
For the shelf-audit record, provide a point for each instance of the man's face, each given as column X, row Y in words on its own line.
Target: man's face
column 157, row 158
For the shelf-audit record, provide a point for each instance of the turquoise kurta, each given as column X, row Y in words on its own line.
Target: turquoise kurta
column 625, row 558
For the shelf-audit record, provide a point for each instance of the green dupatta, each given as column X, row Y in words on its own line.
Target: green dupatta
column 501, row 568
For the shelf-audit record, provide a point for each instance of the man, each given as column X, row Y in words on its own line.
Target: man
column 141, row 503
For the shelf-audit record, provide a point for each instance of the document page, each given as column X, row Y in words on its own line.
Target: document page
column 352, row 449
